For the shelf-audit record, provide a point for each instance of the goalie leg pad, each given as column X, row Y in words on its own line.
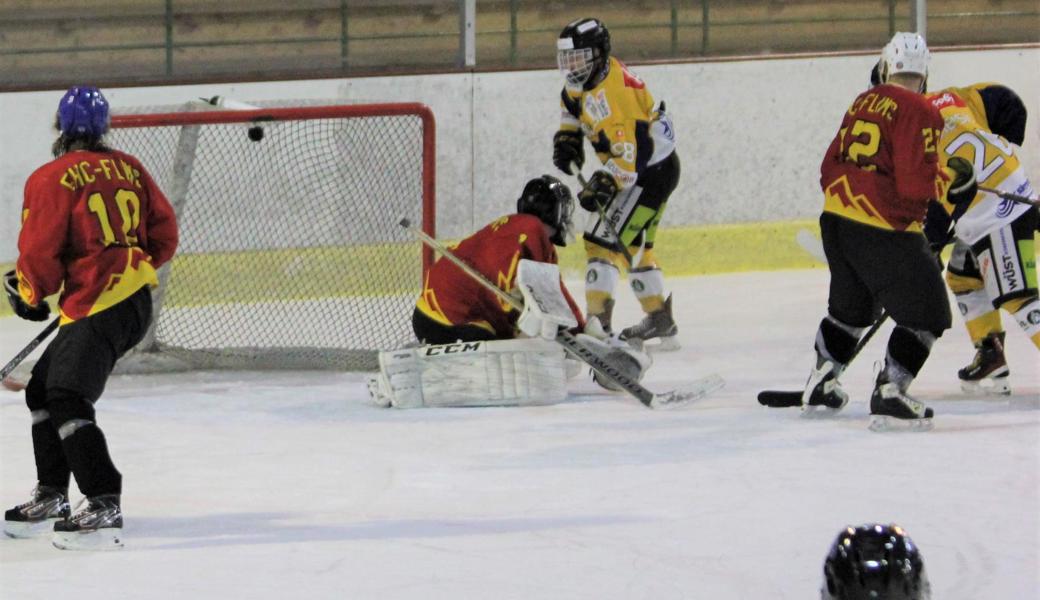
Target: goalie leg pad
column 523, row 372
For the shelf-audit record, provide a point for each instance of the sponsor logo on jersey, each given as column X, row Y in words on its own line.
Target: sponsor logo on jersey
column 1004, row 208
column 596, row 106
column 945, row 99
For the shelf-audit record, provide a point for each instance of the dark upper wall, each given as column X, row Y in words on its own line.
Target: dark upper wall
column 54, row 43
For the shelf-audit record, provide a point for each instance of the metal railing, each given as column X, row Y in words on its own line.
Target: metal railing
column 157, row 41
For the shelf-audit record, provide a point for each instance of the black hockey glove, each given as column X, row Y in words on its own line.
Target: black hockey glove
column 568, row 147
column 23, row 310
column 598, row 192
column 964, row 187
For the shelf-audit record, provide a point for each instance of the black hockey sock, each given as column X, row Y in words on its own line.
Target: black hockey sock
column 87, row 453
column 836, row 341
column 51, row 467
column 908, row 349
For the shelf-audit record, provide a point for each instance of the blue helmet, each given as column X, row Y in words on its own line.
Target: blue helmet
column 83, row 113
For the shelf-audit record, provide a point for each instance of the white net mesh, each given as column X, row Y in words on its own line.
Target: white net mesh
column 290, row 253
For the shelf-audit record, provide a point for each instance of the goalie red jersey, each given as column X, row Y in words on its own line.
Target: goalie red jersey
column 882, row 167
column 451, row 297
column 97, row 222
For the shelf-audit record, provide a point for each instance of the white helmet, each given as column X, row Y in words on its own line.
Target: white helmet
column 906, row 53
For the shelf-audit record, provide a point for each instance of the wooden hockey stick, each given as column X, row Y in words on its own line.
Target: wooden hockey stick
column 1010, row 196
column 17, row 360
column 574, row 346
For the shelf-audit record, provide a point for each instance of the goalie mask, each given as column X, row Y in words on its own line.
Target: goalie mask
column 582, row 51
column 551, row 201
column 905, row 53
column 874, row 561
column 83, row 113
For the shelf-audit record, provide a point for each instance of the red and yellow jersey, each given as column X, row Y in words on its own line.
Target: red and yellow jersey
column 451, row 297
column 619, row 119
column 882, row 167
column 968, row 134
column 96, row 223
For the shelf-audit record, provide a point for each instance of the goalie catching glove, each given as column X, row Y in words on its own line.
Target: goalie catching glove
column 39, row 312
column 598, row 192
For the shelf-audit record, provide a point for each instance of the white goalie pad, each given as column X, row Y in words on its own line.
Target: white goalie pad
column 521, row 372
column 545, row 308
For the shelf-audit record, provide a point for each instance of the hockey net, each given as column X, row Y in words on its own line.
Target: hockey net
column 290, row 255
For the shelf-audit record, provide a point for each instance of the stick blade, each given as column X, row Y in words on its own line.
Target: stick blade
column 691, row 392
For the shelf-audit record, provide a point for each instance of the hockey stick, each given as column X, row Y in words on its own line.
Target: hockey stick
column 573, row 345
column 26, row 351
column 602, row 210
column 1010, row 196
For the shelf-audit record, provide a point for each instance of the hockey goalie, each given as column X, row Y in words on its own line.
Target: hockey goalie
column 478, row 349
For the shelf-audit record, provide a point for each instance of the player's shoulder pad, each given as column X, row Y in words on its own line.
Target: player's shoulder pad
column 1005, row 112
column 572, row 104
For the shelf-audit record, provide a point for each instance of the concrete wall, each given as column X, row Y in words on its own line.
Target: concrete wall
column 751, row 133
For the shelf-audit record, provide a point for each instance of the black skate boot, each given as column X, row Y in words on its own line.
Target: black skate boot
column 892, row 409
column 988, row 373
column 823, row 390
column 96, row 526
column 37, row 516
column 658, row 324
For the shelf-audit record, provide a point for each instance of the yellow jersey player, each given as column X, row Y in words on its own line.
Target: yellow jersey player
column 604, row 102
column 993, row 264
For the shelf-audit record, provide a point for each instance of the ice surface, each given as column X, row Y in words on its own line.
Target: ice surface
column 289, row 485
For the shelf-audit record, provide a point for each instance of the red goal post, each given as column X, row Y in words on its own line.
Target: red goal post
column 290, row 253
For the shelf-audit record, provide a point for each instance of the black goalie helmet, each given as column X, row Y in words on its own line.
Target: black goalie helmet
column 874, row 562
column 582, row 50
column 548, row 199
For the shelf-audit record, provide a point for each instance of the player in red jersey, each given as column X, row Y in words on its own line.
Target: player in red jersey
column 878, row 176
column 454, row 307
column 96, row 227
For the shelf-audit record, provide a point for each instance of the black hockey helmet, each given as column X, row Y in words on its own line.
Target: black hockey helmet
column 874, row 562
column 547, row 198
column 582, row 50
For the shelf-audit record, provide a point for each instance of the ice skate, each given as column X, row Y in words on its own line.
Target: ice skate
column 823, row 394
column 96, row 526
column 658, row 324
column 37, row 516
column 988, row 372
column 892, row 409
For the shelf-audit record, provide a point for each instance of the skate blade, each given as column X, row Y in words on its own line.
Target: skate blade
column 997, row 386
column 882, row 423
column 666, row 344
column 819, row 411
column 22, row 530
column 102, row 539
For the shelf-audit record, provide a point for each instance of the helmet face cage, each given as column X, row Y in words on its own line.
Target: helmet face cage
column 582, row 50
column 83, row 113
column 874, row 561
